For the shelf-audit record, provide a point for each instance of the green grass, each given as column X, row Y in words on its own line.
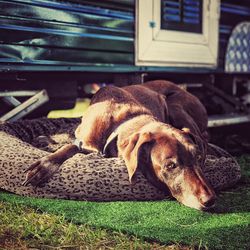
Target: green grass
column 80, row 106
column 22, row 227
column 168, row 222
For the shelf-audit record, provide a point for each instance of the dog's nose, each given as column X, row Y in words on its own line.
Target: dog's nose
column 207, row 201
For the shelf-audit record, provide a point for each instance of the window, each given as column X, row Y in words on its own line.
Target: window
column 177, row 32
column 183, row 15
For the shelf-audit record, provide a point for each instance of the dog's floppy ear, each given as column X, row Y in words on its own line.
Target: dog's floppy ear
column 130, row 150
column 200, row 143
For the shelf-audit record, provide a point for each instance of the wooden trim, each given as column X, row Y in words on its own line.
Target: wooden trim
column 158, row 47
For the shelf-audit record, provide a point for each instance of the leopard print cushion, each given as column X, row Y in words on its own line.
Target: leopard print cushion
column 86, row 177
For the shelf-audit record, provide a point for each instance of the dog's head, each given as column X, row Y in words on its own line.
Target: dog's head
column 171, row 157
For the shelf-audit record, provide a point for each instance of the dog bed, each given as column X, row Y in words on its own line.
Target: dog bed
column 86, row 177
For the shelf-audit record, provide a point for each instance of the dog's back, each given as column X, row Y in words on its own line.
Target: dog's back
column 114, row 94
column 165, row 100
column 181, row 104
column 137, row 95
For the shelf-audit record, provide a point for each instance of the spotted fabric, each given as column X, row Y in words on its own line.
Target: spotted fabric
column 238, row 49
column 86, row 177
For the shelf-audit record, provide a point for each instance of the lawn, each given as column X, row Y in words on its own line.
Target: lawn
column 23, row 227
column 167, row 222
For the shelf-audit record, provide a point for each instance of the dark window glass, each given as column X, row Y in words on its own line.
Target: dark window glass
column 181, row 15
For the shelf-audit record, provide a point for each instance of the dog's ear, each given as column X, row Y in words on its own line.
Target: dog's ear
column 188, row 132
column 199, row 142
column 110, row 148
column 130, row 149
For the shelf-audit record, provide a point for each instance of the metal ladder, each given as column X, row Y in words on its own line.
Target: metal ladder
column 20, row 109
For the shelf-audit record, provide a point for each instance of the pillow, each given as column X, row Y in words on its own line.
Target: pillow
column 86, row 177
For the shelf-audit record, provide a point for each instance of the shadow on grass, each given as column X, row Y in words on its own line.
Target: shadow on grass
column 236, row 200
column 233, row 201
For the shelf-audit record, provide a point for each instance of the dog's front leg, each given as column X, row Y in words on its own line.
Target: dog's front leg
column 42, row 170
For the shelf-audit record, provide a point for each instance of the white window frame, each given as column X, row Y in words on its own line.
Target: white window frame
column 158, row 47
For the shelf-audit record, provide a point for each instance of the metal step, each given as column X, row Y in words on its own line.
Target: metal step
column 224, row 120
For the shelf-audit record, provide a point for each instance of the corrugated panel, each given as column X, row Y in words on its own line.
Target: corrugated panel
column 122, row 5
column 85, row 32
column 63, row 32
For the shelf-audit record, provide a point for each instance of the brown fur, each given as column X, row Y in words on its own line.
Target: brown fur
column 143, row 125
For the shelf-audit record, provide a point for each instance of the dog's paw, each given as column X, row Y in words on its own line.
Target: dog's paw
column 40, row 172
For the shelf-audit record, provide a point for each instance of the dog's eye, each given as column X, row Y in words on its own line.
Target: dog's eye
column 170, row 165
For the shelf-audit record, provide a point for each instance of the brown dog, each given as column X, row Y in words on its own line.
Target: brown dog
column 155, row 126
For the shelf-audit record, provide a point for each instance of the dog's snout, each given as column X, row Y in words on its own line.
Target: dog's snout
column 207, row 195
column 199, row 194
